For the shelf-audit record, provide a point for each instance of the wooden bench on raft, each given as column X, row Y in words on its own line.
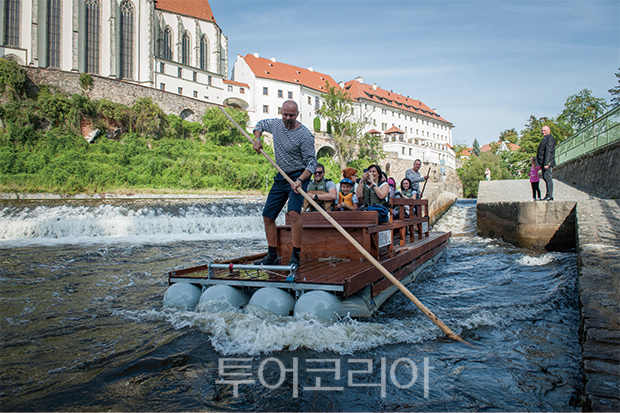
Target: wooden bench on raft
column 320, row 237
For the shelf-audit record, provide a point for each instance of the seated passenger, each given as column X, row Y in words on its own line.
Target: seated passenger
column 322, row 190
column 405, row 192
column 374, row 193
column 347, row 200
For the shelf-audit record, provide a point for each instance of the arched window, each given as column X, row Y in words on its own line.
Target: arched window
column 167, row 49
column 93, row 33
column 54, row 30
column 12, row 11
column 204, row 53
column 126, row 40
column 185, row 49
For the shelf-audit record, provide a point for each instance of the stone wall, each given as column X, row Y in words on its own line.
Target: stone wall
column 596, row 172
column 119, row 91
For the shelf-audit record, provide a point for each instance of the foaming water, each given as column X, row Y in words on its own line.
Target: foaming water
column 144, row 221
column 83, row 327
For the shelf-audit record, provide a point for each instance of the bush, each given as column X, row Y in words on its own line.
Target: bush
column 317, row 124
column 12, row 78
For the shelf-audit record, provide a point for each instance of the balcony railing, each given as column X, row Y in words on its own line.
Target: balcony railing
column 603, row 131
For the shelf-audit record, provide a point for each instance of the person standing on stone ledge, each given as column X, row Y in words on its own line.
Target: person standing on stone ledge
column 545, row 157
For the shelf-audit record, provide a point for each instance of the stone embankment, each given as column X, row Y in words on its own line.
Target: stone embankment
column 592, row 225
column 598, row 246
column 441, row 192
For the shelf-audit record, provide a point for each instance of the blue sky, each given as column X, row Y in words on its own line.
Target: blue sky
column 485, row 66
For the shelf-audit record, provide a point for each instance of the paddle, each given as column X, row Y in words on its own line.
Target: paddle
column 357, row 246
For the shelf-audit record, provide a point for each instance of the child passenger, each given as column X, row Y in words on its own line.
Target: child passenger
column 347, row 200
column 535, row 179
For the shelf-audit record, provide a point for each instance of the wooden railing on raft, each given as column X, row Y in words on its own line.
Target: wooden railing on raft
column 320, row 237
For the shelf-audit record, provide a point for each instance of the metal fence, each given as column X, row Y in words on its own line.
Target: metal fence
column 602, row 132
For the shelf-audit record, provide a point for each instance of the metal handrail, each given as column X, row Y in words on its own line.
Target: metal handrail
column 604, row 131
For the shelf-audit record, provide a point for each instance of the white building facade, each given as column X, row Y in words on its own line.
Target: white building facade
column 272, row 83
column 169, row 44
column 408, row 127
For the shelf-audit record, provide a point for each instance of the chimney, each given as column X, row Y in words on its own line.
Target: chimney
column 374, row 86
column 273, row 59
column 341, row 84
column 311, row 69
column 256, row 55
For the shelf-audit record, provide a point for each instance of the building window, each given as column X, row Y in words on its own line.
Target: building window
column 317, row 103
column 12, row 19
column 180, row 90
column 162, row 86
column 179, row 72
column 265, row 109
column 54, row 30
column 195, row 76
column 126, row 40
column 93, row 29
column 383, row 126
column 166, row 52
column 409, row 150
column 279, row 110
column 204, row 52
column 309, row 100
column 242, row 90
column 230, row 88
column 209, row 80
column 195, row 93
column 403, row 150
column 280, row 94
column 265, row 92
column 162, row 67
column 290, row 95
column 185, row 49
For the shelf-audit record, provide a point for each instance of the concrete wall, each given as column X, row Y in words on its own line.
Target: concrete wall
column 596, row 172
column 119, row 91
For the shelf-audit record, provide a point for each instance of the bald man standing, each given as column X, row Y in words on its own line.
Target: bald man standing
column 294, row 151
column 545, row 157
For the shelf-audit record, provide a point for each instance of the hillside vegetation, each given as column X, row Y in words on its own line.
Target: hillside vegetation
column 43, row 150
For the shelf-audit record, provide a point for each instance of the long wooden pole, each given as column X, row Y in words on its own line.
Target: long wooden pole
column 425, row 181
column 357, row 246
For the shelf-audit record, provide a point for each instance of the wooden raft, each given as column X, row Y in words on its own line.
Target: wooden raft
column 330, row 262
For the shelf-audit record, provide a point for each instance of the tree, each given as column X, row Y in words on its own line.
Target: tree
column 459, row 148
column 582, row 109
column 371, row 148
column 472, row 172
column 220, row 130
column 615, row 92
column 509, row 135
column 532, row 135
column 347, row 125
column 476, row 148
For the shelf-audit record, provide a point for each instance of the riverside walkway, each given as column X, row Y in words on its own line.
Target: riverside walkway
column 505, row 210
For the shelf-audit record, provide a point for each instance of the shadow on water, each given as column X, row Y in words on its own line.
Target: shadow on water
column 82, row 328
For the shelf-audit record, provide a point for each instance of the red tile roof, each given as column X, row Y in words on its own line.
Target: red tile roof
column 268, row 69
column 394, row 129
column 200, row 9
column 374, row 131
column 466, row 151
column 232, row 82
column 403, row 103
column 489, row 147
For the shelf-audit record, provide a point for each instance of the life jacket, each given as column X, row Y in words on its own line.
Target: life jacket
column 347, row 199
column 321, row 186
column 371, row 198
column 408, row 193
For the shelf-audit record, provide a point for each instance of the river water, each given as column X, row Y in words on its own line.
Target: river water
column 82, row 325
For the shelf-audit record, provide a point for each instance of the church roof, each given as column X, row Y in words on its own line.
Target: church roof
column 199, row 9
column 359, row 90
column 271, row 69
